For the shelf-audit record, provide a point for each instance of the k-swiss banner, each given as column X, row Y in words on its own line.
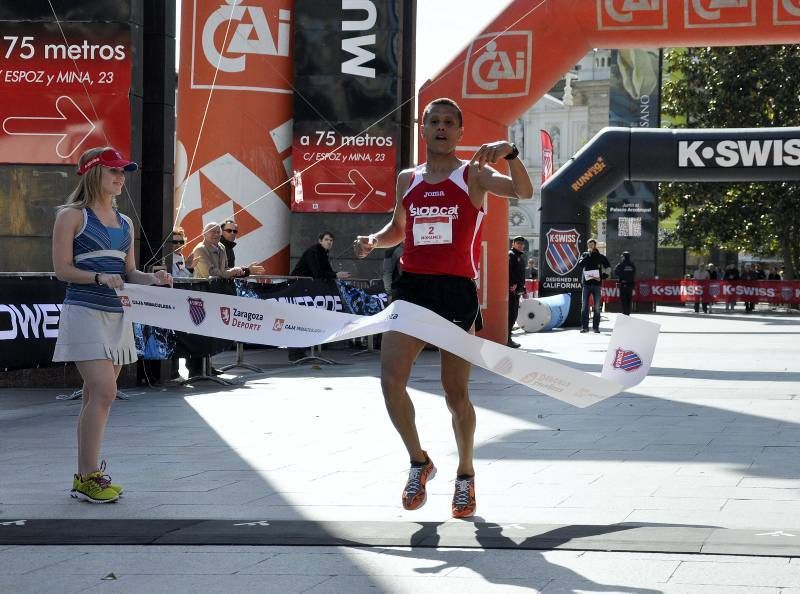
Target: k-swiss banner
column 284, row 324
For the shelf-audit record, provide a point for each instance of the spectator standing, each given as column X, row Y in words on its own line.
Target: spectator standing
column 315, row 263
column 774, row 274
column 533, row 272
column 625, row 273
column 93, row 251
column 731, row 274
column 701, row 274
column 749, row 274
column 516, row 280
column 592, row 265
column 315, row 260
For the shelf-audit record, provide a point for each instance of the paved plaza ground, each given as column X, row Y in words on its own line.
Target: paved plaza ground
column 290, row 480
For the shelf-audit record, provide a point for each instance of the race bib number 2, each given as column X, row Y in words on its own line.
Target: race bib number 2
column 433, row 230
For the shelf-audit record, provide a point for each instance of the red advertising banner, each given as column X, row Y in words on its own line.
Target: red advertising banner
column 234, row 125
column 60, row 97
column 351, row 174
column 691, row 291
column 347, row 96
column 547, row 155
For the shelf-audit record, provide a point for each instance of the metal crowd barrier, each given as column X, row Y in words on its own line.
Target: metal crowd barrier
column 314, row 355
column 369, row 343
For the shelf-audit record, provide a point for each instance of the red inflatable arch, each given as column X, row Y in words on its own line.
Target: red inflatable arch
column 526, row 49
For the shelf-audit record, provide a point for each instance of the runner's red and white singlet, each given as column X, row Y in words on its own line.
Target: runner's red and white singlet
column 443, row 228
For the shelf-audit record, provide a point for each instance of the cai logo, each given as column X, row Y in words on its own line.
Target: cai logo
column 719, row 13
column 498, row 65
column 644, row 289
column 236, row 43
column 225, row 314
column 197, row 310
column 631, row 14
column 786, row 12
column 125, row 300
column 786, row 293
column 278, row 325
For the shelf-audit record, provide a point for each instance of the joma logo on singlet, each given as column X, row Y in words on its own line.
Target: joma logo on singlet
column 433, row 194
column 428, row 211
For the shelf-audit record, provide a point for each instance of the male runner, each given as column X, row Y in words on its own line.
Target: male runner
column 438, row 216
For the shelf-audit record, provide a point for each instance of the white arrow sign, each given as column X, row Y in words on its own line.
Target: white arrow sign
column 71, row 124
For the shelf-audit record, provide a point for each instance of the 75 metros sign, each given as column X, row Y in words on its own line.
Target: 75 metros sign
column 59, row 97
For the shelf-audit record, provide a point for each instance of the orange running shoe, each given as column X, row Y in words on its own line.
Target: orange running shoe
column 464, row 497
column 414, row 495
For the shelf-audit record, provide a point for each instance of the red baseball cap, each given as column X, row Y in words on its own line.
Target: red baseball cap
column 108, row 158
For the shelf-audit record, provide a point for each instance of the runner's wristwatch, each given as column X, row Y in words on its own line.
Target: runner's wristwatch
column 513, row 154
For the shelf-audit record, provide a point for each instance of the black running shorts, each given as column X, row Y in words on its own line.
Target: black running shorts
column 455, row 298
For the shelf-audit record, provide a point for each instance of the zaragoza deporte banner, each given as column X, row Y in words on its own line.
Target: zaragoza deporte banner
column 234, row 136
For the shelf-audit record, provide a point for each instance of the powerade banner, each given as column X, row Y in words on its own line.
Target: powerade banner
column 632, row 209
column 346, row 146
column 63, row 89
column 30, row 307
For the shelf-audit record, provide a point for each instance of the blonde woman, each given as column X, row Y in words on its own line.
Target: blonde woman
column 93, row 253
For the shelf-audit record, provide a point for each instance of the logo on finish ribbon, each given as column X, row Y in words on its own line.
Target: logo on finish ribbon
column 719, row 13
column 627, row 360
column 498, row 65
column 631, row 14
column 197, row 310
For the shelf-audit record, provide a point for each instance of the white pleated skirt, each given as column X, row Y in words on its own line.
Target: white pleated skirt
column 86, row 334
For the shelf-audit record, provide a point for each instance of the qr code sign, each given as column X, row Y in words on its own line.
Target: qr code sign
column 630, row 227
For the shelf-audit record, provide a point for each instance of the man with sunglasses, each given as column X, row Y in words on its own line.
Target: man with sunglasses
column 230, row 230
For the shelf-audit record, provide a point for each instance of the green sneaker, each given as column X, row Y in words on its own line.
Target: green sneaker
column 95, row 489
column 76, row 480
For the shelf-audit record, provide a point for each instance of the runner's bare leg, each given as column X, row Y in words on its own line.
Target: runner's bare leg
column 398, row 352
column 455, row 381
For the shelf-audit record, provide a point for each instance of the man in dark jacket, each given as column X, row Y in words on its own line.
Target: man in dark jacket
column 230, row 230
column 592, row 265
column 315, row 263
column 625, row 273
column 516, row 283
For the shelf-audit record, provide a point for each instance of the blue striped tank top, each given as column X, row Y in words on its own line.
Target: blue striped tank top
column 98, row 248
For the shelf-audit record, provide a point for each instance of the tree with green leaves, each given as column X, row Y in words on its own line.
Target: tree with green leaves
column 735, row 87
